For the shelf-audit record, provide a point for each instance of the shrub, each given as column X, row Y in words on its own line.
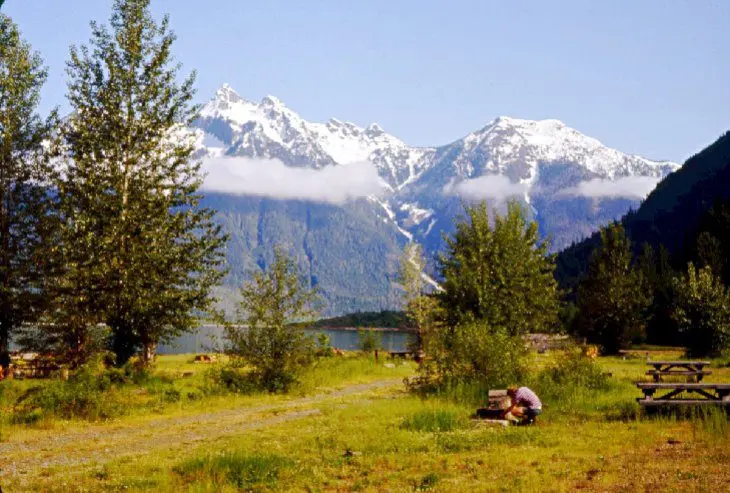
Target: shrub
column 243, row 471
column 473, row 354
column 232, row 379
column 576, row 369
column 324, row 346
column 92, row 393
column 86, row 395
column 369, row 340
column 270, row 338
column 576, row 383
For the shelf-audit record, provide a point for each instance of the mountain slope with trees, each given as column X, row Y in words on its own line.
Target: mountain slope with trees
column 672, row 216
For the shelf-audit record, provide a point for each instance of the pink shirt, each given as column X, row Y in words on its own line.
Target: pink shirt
column 526, row 397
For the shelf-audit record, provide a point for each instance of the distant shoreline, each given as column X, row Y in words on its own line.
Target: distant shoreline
column 355, row 329
column 343, row 328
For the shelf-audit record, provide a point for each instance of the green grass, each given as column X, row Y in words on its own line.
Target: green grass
column 238, row 469
column 436, row 419
column 590, row 439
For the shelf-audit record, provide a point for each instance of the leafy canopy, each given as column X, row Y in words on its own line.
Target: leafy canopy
column 703, row 312
column 140, row 253
column 275, row 308
column 26, row 208
column 613, row 299
column 499, row 273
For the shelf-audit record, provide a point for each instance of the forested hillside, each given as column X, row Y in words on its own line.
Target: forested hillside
column 685, row 204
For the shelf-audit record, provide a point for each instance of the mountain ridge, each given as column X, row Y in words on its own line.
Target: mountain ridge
column 570, row 183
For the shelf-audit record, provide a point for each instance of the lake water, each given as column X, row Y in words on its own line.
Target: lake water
column 205, row 339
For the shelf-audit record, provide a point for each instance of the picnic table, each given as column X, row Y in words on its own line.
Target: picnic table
column 693, row 370
column 495, row 405
column 708, row 393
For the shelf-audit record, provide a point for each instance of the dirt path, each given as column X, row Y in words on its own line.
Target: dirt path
column 99, row 444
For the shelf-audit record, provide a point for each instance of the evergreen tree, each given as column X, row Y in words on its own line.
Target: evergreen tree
column 703, row 312
column 26, row 207
column 613, row 299
column 501, row 275
column 140, row 252
column 661, row 326
column 275, row 309
column 711, row 243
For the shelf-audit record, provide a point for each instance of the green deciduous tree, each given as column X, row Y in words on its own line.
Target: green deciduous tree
column 369, row 340
column 703, row 312
column 140, row 253
column 497, row 285
column 614, row 298
column 275, row 309
column 420, row 307
column 499, row 273
column 26, row 208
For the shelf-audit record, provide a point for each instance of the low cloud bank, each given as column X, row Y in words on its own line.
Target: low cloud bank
column 496, row 187
column 272, row 178
column 630, row 187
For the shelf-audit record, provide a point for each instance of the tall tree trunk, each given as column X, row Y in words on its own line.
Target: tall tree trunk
column 149, row 352
column 4, row 347
column 6, row 304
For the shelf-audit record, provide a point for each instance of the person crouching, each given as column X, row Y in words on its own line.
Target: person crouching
column 524, row 406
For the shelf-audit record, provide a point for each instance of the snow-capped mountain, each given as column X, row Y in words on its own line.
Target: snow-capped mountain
column 269, row 129
column 571, row 182
column 542, row 157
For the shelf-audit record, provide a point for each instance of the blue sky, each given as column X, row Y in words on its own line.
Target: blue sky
column 649, row 77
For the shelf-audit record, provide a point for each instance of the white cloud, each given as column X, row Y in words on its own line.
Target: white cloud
column 496, row 187
column 272, row 178
column 627, row 187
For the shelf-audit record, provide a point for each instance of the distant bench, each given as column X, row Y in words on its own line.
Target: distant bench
column 416, row 355
column 32, row 365
column 710, row 393
column 693, row 370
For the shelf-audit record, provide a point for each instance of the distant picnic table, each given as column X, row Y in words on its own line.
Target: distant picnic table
column 693, row 370
column 709, row 393
column 693, row 392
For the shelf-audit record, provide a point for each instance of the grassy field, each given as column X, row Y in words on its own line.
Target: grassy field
column 350, row 426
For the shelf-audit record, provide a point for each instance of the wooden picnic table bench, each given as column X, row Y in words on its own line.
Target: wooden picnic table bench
column 709, row 393
column 691, row 369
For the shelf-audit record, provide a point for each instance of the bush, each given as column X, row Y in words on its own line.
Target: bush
column 270, row 337
column 473, row 354
column 232, row 379
column 369, row 340
column 324, row 346
column 243, row 471
column 86, row 395
column 575, row 383
column 576, row 369
column 93, row 392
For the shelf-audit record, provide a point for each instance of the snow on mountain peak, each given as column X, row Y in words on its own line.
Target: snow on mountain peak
column 271, row 101
column 511, row 146
column 253, row 127
column 374, row 130
column 525, row 144
column 227, row 94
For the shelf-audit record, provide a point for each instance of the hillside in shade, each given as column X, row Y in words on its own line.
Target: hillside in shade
column 672, row 215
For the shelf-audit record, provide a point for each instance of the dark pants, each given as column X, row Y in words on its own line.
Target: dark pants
column 532, row 413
